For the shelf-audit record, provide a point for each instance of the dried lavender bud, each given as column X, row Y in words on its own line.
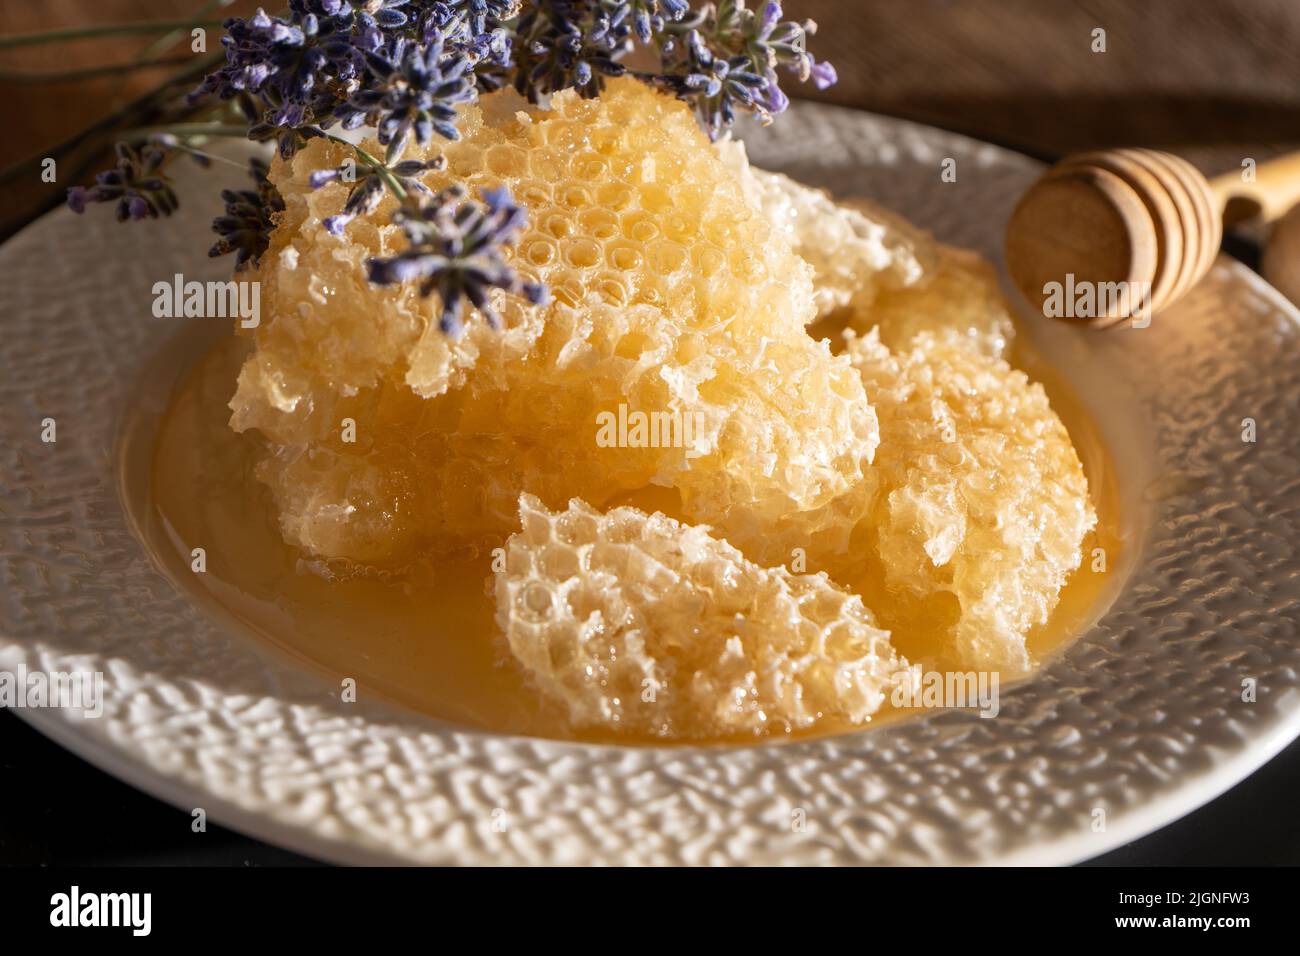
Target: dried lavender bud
column 455, row 250
column 136, row 184
column 414, row 89
column 387, row 14
column 371, row 181
column 265, row 51
column 289, row 73
column 824, row 75
column 719, row 87
column 721, row 58
column 570, row 43
column 725, row 59
column 246, row 227
column 651, row 17
column 472, row 18
column 288, row 138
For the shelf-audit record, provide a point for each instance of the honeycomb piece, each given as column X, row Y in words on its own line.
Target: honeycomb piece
column 854, row 252
column 672, row 297
column 960, row 293
column 873, row 268
column 327, row 333
column 982, row 504
column 640, row 624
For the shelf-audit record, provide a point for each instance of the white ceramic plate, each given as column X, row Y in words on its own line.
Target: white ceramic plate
column 1139, row 721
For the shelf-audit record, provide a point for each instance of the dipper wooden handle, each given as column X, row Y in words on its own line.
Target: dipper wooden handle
column 1135, row 228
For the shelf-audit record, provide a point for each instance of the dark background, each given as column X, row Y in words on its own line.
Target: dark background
column 1213, row 80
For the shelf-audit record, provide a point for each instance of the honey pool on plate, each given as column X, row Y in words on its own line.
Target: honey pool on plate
column 427, row 638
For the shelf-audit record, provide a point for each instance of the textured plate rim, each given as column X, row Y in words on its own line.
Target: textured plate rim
column 183, row 796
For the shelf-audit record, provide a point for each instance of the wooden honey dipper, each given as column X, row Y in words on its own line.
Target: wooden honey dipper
column 1143, row 218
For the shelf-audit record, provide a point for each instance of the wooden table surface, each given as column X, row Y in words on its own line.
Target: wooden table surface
column 1216, row 80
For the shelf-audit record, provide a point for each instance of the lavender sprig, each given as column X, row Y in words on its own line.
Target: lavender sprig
column 293, row 69
column 725, row 60
column 454, row 249
column 371, row 180
column 414, row 88
column 719, row 87
column 249, row 220
column 137, row 184
column 406, row 66
column 650, row 18
column 721, row 58
column 570, row 43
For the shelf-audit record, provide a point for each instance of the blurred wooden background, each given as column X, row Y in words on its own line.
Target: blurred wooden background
column 1216, row 80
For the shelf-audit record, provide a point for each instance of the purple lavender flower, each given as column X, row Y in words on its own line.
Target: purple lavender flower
column 370, row 184
column 405, row 66
column 481, row 16
column 246, row 227
column 136, row 184
column 289, row 73
column 454, row 249
column 388, row 14
column 570, row 43
column 285, row 126
column 722, row 57
column 787, row 44
column 824, row 75
column 728, row 58
column 651, row 17
column 719, row 87
column 265, row 49
column 414, row 88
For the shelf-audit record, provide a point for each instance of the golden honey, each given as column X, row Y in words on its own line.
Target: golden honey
column 426, row 638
